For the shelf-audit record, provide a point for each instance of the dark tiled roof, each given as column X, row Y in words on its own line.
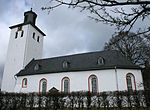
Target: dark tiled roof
column 26, row 24
column 78, row 62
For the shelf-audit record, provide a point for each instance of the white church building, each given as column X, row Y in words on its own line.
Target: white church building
column 25, row 70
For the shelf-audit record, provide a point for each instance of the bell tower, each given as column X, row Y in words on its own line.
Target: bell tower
column 25, row 43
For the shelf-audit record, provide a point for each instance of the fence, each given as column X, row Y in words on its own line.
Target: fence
column 139, row 100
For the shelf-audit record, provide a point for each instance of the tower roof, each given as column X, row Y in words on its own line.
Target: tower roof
column 29, row 18
column 30, row 12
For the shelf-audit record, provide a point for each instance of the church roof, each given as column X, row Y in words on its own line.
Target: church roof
column 99, row 60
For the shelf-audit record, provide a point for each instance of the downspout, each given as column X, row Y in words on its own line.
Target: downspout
column 116, row 78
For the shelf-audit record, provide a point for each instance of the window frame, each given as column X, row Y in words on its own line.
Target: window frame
column 132, row 80
column 41, row 87
column 23, row 83
column 89, row 83
column 62, row 84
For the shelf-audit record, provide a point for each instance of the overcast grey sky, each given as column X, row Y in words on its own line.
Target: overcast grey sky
column 68, row 31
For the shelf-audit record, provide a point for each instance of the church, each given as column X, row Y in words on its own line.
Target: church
column 25, row 71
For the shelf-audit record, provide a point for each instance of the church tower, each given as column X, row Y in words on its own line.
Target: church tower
column 26, row 43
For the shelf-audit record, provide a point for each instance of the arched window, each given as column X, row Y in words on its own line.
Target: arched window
column 93, row 83
column 65, row 85
column 43, row 85
column 131, row 85
column 24, row 83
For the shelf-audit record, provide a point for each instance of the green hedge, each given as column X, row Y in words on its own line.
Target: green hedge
column 137, row 100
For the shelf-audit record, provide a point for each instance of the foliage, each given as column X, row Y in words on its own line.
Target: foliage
column 75, row 100
column 135, row 47
column 123, row 14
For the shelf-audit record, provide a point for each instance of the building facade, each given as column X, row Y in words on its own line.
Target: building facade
column 99, row 71
column 95, row 71
column 105, row 80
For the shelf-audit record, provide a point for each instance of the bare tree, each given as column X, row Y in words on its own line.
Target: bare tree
column 121, row 13
column 135, row 48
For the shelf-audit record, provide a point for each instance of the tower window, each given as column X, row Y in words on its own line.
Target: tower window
column 38, row 39
column 24, row 83
column 22, row 32
column 16, row 35
column 33, row 35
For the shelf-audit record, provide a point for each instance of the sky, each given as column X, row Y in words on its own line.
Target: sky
column 68, row 31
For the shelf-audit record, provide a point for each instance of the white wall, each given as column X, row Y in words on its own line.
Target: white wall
column 79, row 80
column 20, row 52
column 121, row 73
column 33, row 49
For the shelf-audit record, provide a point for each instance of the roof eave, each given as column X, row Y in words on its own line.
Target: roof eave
column 74, row 70
column 11, row 27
